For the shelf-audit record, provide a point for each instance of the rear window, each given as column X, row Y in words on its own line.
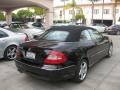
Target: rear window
column 56, row 35
column 60, row 35
column 18, row 26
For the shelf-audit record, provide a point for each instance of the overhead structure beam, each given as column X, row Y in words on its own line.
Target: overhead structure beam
column 9, row 5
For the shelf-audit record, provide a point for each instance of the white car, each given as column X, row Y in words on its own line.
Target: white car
column 3, row 23
column 99, row 27
column 19, row 27
column 31, row 32
column 35, row 25
column 9, row 41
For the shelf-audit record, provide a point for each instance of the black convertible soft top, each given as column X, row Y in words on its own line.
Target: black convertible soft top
column 74, row 31
column 69, row 27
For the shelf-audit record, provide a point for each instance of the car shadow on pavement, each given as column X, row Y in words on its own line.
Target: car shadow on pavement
column 68, row 84
column 43, row 84
column 4, row 60
column 95, row 75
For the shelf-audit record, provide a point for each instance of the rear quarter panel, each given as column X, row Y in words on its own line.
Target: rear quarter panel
column 13, row 40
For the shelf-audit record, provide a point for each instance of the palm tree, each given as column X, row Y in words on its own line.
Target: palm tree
column 102, row 11
column 74, row 6
column 64, row 8
column 80, row 17
column 114, row 10
column 92, row 1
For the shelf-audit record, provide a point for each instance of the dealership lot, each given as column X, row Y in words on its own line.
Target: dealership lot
column 104, row 75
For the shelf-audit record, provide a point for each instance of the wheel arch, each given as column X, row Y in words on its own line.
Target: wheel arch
column 86, row 58
column 8, row 47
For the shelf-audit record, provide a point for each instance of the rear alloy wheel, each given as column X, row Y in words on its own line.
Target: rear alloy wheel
column 110, row 51
column 118, row 33
column 10, row 53
column 82, row 71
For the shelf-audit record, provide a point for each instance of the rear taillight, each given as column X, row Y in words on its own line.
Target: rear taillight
column 18, row 52
column 26, row 38
column 55, row 57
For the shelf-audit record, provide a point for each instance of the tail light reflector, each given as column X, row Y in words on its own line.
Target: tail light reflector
column 18, row 52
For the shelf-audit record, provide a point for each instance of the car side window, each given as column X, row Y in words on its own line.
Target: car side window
column 85, row 35
column 95, row 35
column 3, row 34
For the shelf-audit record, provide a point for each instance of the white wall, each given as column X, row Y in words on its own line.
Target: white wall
column 87, row 11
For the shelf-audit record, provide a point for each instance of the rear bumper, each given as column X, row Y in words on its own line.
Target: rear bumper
column 47, row 72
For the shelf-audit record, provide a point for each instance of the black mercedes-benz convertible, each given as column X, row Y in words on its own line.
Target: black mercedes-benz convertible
column 63, row 52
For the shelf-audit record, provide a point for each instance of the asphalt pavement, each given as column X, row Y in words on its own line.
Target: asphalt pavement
column 104, row 75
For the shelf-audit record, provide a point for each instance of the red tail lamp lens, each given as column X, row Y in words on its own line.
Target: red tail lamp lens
column 55, row 57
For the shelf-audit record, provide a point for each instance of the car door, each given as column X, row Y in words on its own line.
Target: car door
column 102, row 44
column 3, row 37
column 89, row 46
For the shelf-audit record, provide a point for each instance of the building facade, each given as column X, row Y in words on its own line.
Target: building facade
column 107, row 10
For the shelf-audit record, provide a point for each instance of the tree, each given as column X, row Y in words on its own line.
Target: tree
column 92, row 1
column 114, row 10
column 2, row 17
column 80, row 17
column 64, row 8
column 14, row 17
column 74, row 6
column 24, row 14
column 39, row 11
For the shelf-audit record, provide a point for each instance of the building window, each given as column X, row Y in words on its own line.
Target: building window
column 60, row 13
column 96, row 11
column 117, row 10
column 70, row 11
column 78, row 11
column 106, row 11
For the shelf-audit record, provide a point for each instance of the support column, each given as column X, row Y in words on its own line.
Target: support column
column 8, row 17
column 49, row 19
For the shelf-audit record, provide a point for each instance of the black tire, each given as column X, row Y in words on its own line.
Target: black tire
column 110, row 51
column 78, row 78
column 7, row 51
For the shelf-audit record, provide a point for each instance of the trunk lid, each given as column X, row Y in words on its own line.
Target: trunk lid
column 36, row 51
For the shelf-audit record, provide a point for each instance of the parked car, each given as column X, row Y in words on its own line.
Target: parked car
column 114, row 29
column 9, row 42
column 63, row 52
column 23, row 28
column 3, row 24
column 99, row 27
column 37, row 25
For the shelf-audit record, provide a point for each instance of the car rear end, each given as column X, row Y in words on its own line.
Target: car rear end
column 21, row 38
column 43, row 62
column 50, row 57
column 32, row 32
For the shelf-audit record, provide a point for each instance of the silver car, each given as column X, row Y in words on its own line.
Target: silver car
column 9, row 42
column 100, row 27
